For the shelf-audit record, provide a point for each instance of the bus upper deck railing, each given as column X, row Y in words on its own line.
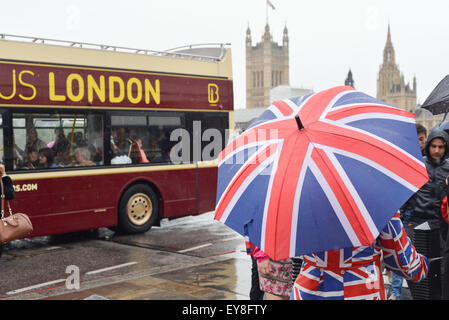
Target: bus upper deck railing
column 185, row 52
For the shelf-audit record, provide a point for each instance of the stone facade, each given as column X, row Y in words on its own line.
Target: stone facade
column 391, row 86
column 267, row 66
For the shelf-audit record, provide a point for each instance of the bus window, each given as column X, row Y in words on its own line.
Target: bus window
column 45, row 141
column 143, row 138
column 160, row 127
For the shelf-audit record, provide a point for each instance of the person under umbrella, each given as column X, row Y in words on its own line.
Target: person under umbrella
column 355, row 273
column 324, row 174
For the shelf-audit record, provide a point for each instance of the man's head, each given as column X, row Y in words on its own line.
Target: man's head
column 422, row 135
column 436, row 145
column 437, row 149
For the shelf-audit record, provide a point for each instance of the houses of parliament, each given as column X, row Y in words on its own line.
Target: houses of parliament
column 267, row 67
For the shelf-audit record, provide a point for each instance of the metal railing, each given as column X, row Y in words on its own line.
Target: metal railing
column 173, row 53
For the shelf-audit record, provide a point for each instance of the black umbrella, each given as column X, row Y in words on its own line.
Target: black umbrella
column 438, row 100
column 442, row 126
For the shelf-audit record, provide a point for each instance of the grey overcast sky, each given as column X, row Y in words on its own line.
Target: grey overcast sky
column 327, row 37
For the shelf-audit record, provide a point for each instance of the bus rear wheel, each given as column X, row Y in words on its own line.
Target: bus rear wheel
column 138, row 209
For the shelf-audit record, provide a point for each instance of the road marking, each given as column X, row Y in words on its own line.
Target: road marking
column 194, row 248
column 44, row 284
column 34, row 287
column 111, row 268
column 209, row 244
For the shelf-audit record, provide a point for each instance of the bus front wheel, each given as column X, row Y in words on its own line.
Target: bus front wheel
column 138, row 209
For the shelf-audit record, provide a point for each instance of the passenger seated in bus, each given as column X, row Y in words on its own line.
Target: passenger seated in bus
column 76, row 140
column 46, row 158
column 79, row 140
column 165, row 153
column 67, row 160
column 32, row 141
column 61, row 144
column 32, row 158
column 123, row 142
column 52, row 143
column 142, row 152
column 82, row 157
column 155, row 150
column 137, row 154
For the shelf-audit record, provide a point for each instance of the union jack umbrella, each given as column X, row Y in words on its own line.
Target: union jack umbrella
column 320, row 172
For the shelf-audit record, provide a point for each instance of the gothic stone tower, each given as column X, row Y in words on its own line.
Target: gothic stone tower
column 267, row 66
column 391, row 86
column 349, row 80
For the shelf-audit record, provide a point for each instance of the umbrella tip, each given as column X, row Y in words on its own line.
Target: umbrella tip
column 299, row 123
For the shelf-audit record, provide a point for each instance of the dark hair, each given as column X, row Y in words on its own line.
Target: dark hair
column 48, row 153
column 421, row 129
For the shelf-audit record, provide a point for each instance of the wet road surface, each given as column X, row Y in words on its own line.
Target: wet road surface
column 187, row 258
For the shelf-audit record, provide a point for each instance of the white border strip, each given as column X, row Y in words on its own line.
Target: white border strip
column 111, row 268
column 194, row 248
column 35, row 286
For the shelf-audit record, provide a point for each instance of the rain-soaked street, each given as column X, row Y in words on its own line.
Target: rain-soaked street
column 188, row 258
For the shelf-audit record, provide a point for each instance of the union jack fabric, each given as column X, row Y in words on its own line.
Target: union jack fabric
column 333, row 185
column 355, row 273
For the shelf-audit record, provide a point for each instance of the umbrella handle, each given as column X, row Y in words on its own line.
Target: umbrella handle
column 245, row 227
column 247, row 242
column 298, row 121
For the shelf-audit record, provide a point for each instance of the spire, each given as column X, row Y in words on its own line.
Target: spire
column 285, row 36
column 349, row 80
column 248, row 37
column 267, row 35
column 389, row 33
column 389, row 50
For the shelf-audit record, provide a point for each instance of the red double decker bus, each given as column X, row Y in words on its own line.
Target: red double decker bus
column 98, row 136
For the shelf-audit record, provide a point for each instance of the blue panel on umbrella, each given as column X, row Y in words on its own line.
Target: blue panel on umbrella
column 267, row 115
column 374, row 186
column 229, row 168
column 402, row 134
column 318, row 225
column 249, row 206
column 299, row 100
column 356, row 97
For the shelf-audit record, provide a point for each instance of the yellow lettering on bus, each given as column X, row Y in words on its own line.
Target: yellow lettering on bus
column 129, row 90
column 112, row 97
column 100, row 90
column 69, row 87
column 51, row 89
column 13, row 93
column 213, row 96
column 25, row 84
column 155, row 93
column 25, row 187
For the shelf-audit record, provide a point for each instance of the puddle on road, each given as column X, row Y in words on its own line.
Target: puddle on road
column 233, row 276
